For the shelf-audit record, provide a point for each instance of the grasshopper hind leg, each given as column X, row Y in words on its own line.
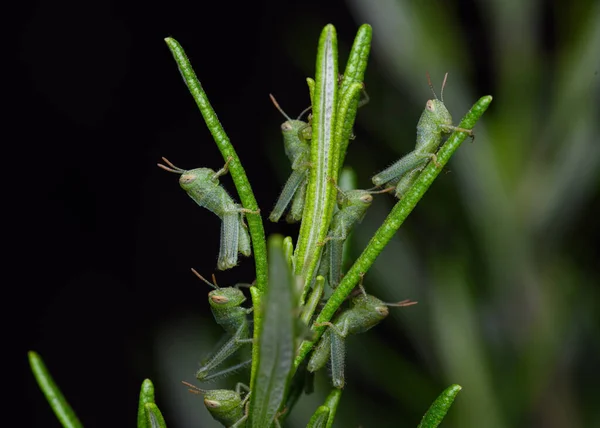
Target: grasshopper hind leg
column 230, row 231
column 244, row 238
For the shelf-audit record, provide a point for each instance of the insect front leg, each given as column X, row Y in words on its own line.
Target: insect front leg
column 244, row 238
column 365, row 99
column 223, row 170
column 451, row 128
column 246, row 404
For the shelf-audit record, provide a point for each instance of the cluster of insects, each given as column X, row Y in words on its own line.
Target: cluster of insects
column 363, row 312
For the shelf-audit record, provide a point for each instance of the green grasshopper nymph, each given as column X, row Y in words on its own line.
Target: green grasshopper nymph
column 434, row 122
column 225, row 405
column 365, row 312
column 226, row 306
column 296, row 136
column 202, row 185
column 353, row 205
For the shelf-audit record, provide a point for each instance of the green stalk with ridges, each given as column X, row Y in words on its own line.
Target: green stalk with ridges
column 61, row 408
column 321, row 195
column 238, row 174
column 354, row 73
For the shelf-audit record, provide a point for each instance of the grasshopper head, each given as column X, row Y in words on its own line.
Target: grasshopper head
column 435, row 110
column 221, row 400
column 196, row 177
column 294, row 128
column 358, row 198
column 192, row 178
column 438, row 112
column 374, row 310
column 221, row 403
column 228, row 297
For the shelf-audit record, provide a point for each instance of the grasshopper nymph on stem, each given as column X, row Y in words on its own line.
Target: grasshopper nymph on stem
column 226, row 306
column 434, row 122
column 365, row 312
column 202, row 185
column 353, row 205
column 226, row 406
column 296, row 136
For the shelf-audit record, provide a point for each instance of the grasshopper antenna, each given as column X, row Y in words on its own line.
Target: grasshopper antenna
column 279, row 108
column 212, row 284
column 193, row 388
column 304, row 111
column 375, row 192
column 339, row 189
column 171, row 167
column 443, row 84
column 402, row 303
column 431, row 85
column 387, row 189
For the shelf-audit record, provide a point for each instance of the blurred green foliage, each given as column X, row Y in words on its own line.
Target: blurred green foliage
column 502, row 251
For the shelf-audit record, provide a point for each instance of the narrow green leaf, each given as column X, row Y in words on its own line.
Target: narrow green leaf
column 311, row 89
column 154, row 418
column 146, row 396
column 354, row 73
column 64, row 413
column 257, row 297
column 438, row 409
column 288, row 250
column 332, row 402
column 392, row 223
column 324, row 157
column 238, row 174
column 276, row 342
column 319, row 418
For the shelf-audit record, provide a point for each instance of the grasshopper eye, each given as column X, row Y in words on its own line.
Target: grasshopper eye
column 367, row 199
column 213, row 404
column 382, row 310
column 286, row 126
column 219, row 299
column 187, row 178
column 430, row 105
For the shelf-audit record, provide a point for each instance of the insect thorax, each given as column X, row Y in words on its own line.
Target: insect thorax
column 231, row 320
column 213, row 197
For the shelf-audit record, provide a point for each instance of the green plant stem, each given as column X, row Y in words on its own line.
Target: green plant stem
column 324, row 155
column 63, row 411
column 392, row 223
column 238, row 174
column 354, row 73
column 258, row 316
